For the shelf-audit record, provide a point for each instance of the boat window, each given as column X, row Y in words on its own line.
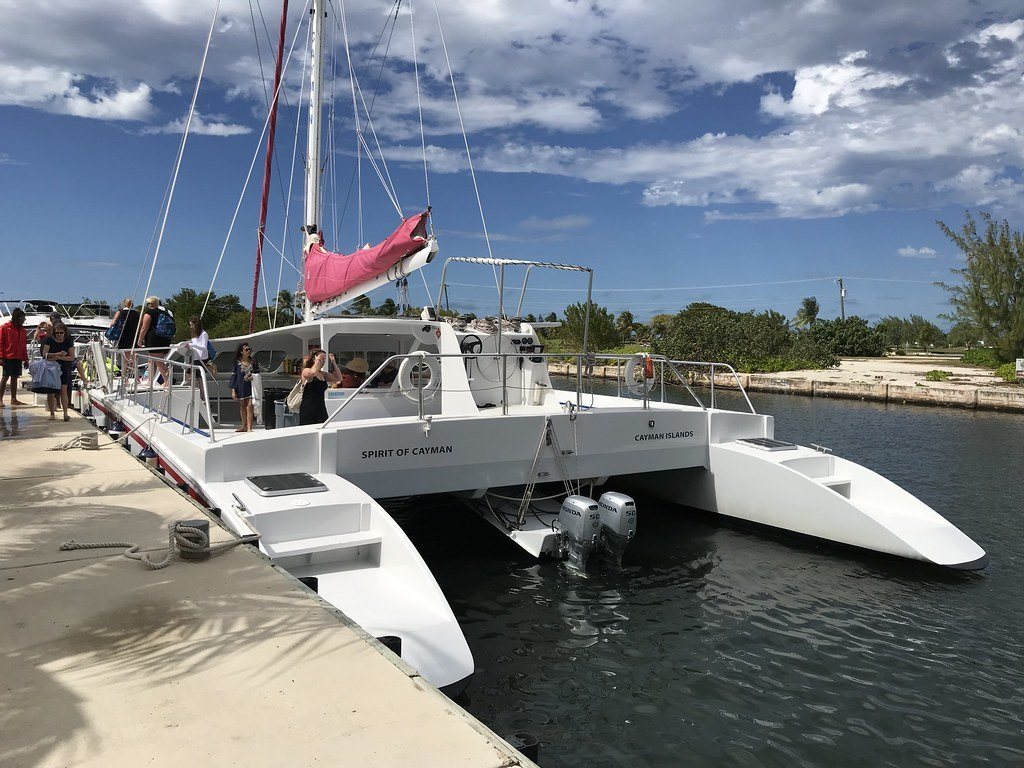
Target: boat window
column 269, row 359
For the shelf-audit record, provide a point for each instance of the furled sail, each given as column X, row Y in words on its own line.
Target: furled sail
column 331, row 274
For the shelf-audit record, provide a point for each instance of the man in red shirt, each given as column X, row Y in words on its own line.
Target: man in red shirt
column 13, row 353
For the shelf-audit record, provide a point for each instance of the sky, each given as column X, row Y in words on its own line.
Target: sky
column 743, row 153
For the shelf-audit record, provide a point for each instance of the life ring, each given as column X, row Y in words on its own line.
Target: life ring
column 645, row 383
column 408, row 386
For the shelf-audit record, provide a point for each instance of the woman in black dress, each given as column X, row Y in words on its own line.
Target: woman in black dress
column 313, row 409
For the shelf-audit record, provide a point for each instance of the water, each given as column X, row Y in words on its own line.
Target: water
column 716, row 645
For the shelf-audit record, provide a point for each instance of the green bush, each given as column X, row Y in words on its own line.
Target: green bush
column 1007, row 372
column 850, row 338
column 982, row 356
column 938, row 375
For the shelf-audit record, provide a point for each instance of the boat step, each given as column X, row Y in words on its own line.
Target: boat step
column 831, row 480
column 321, row 544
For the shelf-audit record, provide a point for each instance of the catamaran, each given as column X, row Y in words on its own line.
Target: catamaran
column 467, row 407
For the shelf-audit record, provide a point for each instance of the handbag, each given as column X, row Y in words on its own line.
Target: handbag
column 45, row 376
column 294, row 399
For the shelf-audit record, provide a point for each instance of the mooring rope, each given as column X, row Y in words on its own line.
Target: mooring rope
column 185, row 540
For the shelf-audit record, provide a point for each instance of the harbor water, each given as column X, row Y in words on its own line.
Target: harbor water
column 717, row 645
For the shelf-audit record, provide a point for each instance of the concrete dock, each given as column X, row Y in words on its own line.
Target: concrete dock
column 223, row 662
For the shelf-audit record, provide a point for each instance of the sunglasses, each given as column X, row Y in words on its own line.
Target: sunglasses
column 58, row 333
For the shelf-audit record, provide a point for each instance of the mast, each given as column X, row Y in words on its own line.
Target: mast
column 311, row 216
column 261, row 231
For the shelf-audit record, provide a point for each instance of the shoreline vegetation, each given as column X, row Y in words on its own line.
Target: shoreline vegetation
column 898, row 380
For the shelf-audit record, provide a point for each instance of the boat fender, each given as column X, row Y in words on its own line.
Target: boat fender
column 409, row 387
column 648, row 367
column 643, row 385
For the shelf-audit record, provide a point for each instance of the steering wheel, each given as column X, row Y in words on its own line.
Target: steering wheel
column 471, row 345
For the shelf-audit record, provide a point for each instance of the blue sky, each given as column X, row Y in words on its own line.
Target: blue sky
column 745, row 155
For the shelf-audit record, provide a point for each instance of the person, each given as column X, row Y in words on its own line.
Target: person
column 354, row 373
column 43, row 330
column 241, row 384
column 59, row 346
column 386, row 377
column 313, row 409
column 197, row 349
column 128, row 316
column 13, row 353
column 156, row 345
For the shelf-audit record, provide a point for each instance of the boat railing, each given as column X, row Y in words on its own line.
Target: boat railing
column 664, row 365
column 126, row 364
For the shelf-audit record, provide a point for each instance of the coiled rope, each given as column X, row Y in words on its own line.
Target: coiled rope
column 184, row 540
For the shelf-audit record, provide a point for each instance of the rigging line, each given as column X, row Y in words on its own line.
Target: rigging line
column 259, row 55
column 430, row 300
column 291, row 183
column 355, row 117
column 331, row 134
column 465, row 138
column 419, row 107
column 373, row 53
column 388, row 189
column 284, row 258
column 369, row 110
column 248, row 176
column 181, row 148
column 393, row 192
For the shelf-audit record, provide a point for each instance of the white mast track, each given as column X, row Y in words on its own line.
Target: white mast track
column 312, row 210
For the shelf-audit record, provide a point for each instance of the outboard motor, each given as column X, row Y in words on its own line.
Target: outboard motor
column 579, row 523
column 618, row 524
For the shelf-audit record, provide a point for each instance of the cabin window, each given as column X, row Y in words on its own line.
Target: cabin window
column 269, row 360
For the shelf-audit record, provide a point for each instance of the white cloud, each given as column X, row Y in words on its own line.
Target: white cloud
column 560, row 223
column 62, row 92
column 909, row 252
column 213, row 125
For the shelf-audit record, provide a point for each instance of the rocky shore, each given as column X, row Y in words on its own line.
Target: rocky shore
column 887, row 380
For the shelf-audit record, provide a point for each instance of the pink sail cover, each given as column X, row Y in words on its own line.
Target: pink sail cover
column 331, row 274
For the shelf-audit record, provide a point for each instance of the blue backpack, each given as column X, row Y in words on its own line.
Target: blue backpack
column 165, row 327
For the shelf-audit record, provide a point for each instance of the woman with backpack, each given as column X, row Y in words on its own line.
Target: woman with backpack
column 156, row 330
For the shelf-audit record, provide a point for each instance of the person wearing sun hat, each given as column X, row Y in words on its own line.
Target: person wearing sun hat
column 354, row 373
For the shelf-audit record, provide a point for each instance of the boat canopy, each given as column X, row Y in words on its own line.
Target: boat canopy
column 330, row 274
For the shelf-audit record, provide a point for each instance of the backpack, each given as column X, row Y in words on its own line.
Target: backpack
column 211, row 352
column 165, row 327
column 113, row 333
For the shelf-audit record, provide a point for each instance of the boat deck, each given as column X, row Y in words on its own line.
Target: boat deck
column 228, row 661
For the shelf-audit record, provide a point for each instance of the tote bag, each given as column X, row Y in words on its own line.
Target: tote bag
column 294, row 399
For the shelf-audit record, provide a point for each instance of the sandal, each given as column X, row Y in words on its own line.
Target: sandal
column 66, row 417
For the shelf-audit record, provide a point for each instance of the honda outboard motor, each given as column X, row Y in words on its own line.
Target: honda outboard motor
column 579, row 523
column 618, row 524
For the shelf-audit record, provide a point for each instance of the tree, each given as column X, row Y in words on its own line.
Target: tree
column 990, row 296
column 807, row 315
column 895, row 331
column 707, row 332
column 602, row 334
column 850, row 337
column 963, row 335
column 625, row 325
column 285, row 308
column 362, row 305
column 388, row 308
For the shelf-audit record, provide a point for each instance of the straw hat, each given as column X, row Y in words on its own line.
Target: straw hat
column 357, row 365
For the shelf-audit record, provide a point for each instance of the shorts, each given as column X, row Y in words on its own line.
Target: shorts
column 13, row 368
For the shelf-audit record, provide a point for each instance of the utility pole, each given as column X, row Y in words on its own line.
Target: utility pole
column 842, row 299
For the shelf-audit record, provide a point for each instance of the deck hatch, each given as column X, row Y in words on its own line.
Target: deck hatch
column 285, row 484
column 767, row 444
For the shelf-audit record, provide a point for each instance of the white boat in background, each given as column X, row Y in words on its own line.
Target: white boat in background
column 472, row 411
column 88, row 321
